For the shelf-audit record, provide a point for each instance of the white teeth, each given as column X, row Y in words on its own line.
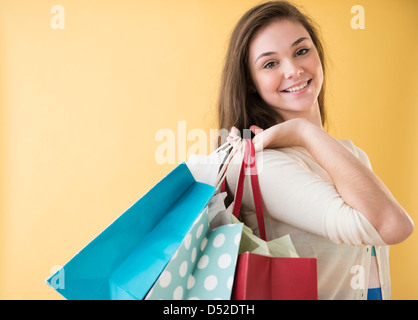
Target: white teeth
column 293, row 89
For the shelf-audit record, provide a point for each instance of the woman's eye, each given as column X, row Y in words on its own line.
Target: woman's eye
column 302, row 52
column 270, row 65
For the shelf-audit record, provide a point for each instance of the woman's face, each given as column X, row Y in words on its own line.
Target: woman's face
column 286, row 69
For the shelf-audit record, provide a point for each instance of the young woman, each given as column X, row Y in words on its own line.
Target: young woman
column 319, row 190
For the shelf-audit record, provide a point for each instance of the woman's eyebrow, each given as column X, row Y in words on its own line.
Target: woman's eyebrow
column 272, row 52
column 298, row 41
column 264, row 54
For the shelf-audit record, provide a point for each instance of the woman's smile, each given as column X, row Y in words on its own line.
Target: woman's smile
column 298, row 88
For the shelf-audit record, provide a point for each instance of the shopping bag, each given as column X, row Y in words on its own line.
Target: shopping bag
column 211, row 169
column 204, row 265
column 269, row 276
column 124, row 260
column 260, row 277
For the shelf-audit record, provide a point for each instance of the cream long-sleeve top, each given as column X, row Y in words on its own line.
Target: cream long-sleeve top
column 300, row 199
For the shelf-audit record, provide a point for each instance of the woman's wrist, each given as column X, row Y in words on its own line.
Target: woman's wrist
column 306, row 132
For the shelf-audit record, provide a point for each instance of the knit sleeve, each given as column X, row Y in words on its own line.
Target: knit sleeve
column 294, row 194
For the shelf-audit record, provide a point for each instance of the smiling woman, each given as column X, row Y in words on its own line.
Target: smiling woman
column 319, row 190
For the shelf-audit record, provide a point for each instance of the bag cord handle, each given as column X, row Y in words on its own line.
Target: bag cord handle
column 249, row 160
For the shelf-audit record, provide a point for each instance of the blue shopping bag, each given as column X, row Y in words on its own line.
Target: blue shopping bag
column 124, row 260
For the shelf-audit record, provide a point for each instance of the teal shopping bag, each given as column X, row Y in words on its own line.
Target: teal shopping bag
column 124, row 260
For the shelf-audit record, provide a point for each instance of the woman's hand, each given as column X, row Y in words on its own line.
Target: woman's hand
column 285, row 134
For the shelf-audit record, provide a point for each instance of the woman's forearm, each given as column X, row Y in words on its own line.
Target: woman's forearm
column 358, row 186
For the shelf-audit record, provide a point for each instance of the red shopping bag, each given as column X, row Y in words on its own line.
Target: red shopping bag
column 260, row 277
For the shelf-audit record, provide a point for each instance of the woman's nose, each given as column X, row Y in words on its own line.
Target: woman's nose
column 292, row 70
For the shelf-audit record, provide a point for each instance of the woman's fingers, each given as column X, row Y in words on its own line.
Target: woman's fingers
column 255, row 129
column 258, row 140
column 234, row 131
column 232, row 137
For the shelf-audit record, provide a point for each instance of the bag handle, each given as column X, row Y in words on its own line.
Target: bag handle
column 222, row 172
column 257, row 193
column 249, row 160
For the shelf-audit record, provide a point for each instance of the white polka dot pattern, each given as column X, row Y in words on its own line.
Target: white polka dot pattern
column 204, row 265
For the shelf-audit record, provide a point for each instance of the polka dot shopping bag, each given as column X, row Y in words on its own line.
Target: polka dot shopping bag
column 204, row 265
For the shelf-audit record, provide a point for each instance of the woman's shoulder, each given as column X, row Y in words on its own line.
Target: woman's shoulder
column 282, row 155
column 268, row 160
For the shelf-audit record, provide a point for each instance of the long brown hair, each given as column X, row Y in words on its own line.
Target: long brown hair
column 238, row 105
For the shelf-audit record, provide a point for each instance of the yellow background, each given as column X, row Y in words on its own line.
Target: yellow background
column 80, row 108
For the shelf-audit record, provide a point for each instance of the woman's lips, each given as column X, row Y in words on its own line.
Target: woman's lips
column 299, row 88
